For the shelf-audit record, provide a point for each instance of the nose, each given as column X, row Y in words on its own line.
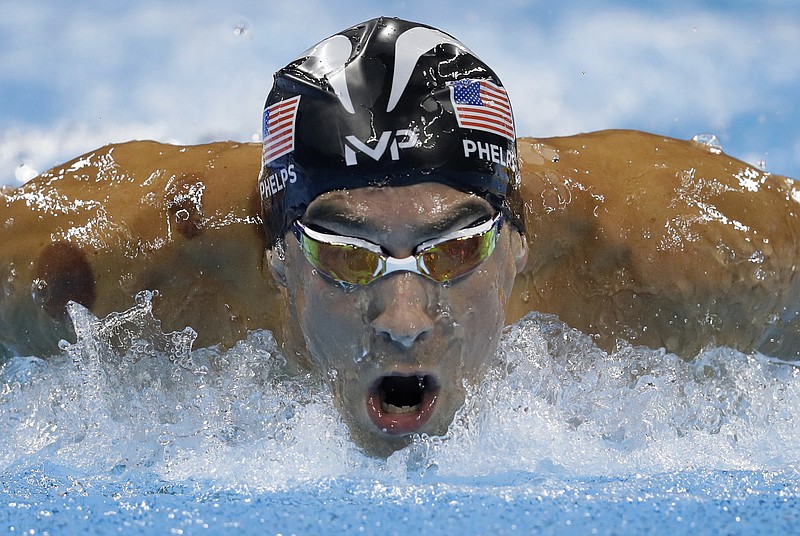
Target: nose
column 403, row 309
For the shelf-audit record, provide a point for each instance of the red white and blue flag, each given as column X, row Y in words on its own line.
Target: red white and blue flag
column 279, row 120
column 482, row 105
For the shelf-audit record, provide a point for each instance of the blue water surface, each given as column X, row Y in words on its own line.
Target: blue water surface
column 52, row 499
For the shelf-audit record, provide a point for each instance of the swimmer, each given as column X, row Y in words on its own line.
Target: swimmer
column 391, row 194
column 402, row 236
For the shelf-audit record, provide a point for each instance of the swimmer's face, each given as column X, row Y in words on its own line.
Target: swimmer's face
column 399, row 351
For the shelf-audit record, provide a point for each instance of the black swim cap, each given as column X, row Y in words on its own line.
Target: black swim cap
column 386, row 103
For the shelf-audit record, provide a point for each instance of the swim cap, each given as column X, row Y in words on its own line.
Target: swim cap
column 386, row 103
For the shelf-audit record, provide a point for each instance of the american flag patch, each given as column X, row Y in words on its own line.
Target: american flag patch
column 482, row 105
column 279, row 121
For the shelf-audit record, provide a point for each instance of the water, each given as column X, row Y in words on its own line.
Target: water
column 129, row 429
column 709, row 140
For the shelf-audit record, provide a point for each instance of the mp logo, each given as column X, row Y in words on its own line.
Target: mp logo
column 393, row 140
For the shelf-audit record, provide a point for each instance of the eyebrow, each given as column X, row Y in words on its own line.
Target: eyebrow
column 329, row 213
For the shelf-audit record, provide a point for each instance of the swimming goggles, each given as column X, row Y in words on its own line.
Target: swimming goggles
column 356, row 261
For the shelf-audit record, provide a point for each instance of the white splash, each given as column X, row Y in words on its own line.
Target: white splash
column 128, row 398
column 24, row 173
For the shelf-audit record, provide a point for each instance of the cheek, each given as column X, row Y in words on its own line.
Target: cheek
column 488, row 289
column 483, row 316
column 331, row 320
column 481, row 308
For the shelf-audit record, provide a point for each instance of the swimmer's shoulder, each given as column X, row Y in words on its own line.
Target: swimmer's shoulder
column 141, row 215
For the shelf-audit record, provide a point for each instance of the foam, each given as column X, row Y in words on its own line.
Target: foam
column 128, row 399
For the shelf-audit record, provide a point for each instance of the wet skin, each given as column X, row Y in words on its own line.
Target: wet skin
column 399, row 352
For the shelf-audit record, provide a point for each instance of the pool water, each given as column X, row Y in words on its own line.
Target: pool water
column 131, row 430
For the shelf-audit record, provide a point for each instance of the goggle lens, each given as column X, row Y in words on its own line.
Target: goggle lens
column 455, row 258
column 342, row 262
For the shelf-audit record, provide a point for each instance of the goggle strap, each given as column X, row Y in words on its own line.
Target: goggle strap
column 338, row 240
column 462, row 233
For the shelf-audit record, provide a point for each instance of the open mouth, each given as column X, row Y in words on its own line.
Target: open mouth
column 402, row 404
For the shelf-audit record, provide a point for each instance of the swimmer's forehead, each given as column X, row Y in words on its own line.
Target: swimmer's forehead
column 429, row 208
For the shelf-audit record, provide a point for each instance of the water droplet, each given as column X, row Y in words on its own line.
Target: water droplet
column 332, row 374
column 145, row 297
column 37, row 289
column 24, row 173
column 725, row 255
column 762, row 165
column 760, row 274
column 709, row 140
column 177, row 374
column 712, row 320
column 240, row 29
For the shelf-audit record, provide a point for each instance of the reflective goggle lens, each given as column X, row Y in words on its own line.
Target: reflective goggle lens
column 342, row 262
column 359, row 262
column 457, row 257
